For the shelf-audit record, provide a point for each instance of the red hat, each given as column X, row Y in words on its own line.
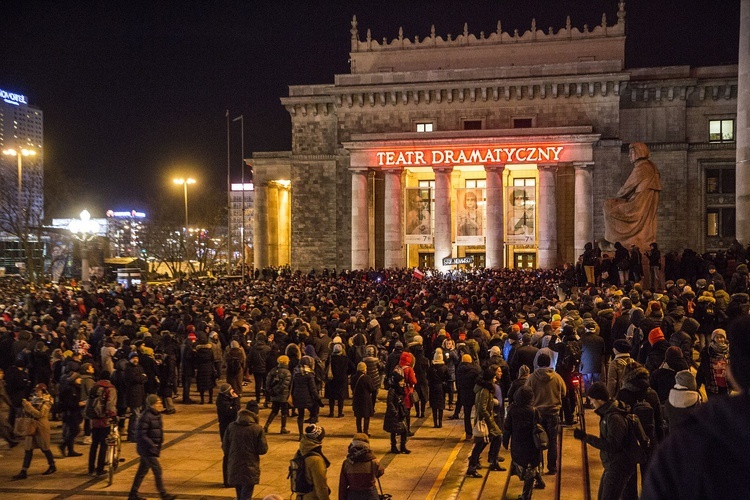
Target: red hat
column 655, row 335
column 191, row 328
column 191, row 336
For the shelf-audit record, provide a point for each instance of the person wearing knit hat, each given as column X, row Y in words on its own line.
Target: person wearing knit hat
column 316, row 463
column 148, row 446
column 394, row 421
column 712, row 368
column 278, row 385
column 618, row 365
column 612, row 441
column 466, row 358
column 438, row 377
column 227, row 406
column 683, row 399
column 243, row 444
column 360, row 470
column 658, row 346
column 663, row 378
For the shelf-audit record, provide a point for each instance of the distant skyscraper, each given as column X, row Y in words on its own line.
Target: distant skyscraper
column 235, row 220
column 22, row 127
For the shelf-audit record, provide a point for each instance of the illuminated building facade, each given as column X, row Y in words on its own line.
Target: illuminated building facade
column 502, row 147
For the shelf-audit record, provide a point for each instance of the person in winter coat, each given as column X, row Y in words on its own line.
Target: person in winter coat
column 37, row 430
column 227, row 406
column 335, row 389
column 187, row 360
column 683, row 400
column 316, row 464
column 549, row 390
column 466, row 377
column 204, row 366
column 496, row 358
column 437, row 379
column 421, row 365
column 484, row 395
column 592, row 357
column 519, row 427
column 359, row 471
column 278, row 384
column 100, row 426
column 107, row 356
column 662, row 380
column 257, row 363
column 525, row 354
column 659, row 346
column 410, row 379
column 374, row 369
column 520, row 381
column 452, row 360
column 243, row 444
column 70, row 405
column 712, row 370
column 167, row 369
column 616, row 369
column 236, row 364
column 362, row 390
column 394, row 421
column 135, row 395
column 612, row 442
column 149, row 439
column 392, row 362
column 304, row 392
column 685, row 339
column 636, row 388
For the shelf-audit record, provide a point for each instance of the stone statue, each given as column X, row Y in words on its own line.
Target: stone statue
column 630, row 217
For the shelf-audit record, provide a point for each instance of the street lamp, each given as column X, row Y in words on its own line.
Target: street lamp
column 84, row 230
column 185, row 183
column 19, row 154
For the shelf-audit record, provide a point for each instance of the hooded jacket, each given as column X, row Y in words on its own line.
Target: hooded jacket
column 680, row 404
column 243, row 444
column 484, row 392
column 635, row 388
column 548, row 388
column 316, row 469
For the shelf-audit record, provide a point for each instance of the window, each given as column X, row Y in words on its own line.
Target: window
column 476, row 183
column 522, row 123
column 720, row 222
column 721, row 130
column 472, row 124
column 424, row 127
column 720, row 181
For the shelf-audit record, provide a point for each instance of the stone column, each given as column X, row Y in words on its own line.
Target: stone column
column 260, row 229
column 743, row 128
column 273, row 223
column 360, row 220
column 394, row 231
column 285, row 226
column 495, row 198
column 583, row 231
column 547, row 216
column 443, row 246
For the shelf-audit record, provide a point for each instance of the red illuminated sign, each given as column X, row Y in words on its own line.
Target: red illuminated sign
column 468, row 156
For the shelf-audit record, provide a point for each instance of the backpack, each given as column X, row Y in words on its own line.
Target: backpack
column 572, row 357
column 360, row 353
column 645, row 413
column 296, row 474
column 233, row 366
column 637, row 442
column 96, row 405
column 272, row 382
column 66, row 395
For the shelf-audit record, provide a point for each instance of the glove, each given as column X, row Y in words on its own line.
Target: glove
column 579, row 434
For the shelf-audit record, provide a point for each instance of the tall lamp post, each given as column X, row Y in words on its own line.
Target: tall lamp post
column 185, row 183
column 19, row 154
column 241, row 119
column 84, row 230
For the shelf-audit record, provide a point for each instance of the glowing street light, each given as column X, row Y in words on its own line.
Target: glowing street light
column 19, row 154
column 84, row 230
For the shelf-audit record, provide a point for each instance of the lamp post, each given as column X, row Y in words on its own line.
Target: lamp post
column 84, row 230
column 241, row 118
column 19, row 154
column 185, row 183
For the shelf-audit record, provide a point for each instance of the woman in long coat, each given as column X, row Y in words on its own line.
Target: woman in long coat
column 336, row 390
column 37, row 431
column 362, row 390
column 519, row 427
column 244, row 441
column 204, row 363
column 304, row 392
column 437, row 378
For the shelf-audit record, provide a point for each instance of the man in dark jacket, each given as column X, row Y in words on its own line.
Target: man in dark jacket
column 227, row 406
column 258, row 359
column 525, row 354
column 612, row 442
column 100, row 426
column 149, row 438
column 135, row 394
column 466, row 377
column 243, row 443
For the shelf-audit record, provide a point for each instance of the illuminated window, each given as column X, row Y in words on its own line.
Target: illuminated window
column 721, row 130
column 720, row 222
column 476, row 183
column 720, row 181
column 424, row 127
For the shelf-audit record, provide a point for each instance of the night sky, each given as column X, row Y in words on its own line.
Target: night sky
column 135, row 93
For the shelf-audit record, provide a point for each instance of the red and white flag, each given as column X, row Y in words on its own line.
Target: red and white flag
column 418, row 274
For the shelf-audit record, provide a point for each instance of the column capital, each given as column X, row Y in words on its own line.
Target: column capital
column 495, row 168
column 548, row 167
column 443, row 168
column 359, row 170
column 583, row 165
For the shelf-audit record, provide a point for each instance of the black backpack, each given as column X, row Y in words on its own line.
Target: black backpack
column 637, row 442
column 572, row 355
column 645, row 413
column 96, row 405
column 296, row 474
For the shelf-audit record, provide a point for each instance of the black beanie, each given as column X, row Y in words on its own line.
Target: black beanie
column 739, row 350
column 598, row 390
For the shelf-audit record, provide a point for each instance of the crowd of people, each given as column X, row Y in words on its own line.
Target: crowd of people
column 505, row 350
